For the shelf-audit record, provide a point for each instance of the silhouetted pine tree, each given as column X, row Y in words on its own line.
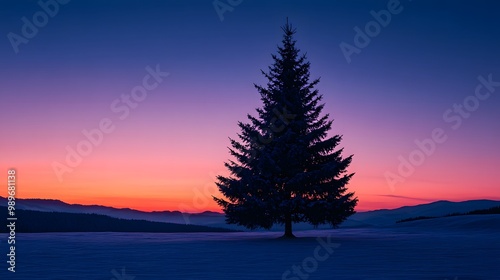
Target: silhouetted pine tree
column 286, row 169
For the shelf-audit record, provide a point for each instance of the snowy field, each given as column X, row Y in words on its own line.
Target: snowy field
column 414, row 251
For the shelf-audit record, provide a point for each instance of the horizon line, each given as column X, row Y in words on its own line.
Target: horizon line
column 221, row 212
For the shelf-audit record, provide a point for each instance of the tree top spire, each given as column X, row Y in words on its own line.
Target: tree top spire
column 288, row 29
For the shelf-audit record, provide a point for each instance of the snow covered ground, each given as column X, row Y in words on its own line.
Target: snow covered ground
column 415, row 250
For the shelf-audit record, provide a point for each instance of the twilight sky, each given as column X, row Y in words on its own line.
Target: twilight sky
column 418, row 76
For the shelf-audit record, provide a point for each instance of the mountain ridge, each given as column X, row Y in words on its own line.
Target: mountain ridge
column 372, row 218
column 31, row 221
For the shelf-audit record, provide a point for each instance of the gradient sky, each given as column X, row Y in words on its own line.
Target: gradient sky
column 166, row 153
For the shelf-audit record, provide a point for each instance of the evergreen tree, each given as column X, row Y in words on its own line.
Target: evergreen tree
column 286, row 168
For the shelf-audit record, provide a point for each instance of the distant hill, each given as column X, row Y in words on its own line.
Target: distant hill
column 177, row 217
column 37, row 221
column 387, row 217
column 376, row 218
column 487, row 223
column 489, row 211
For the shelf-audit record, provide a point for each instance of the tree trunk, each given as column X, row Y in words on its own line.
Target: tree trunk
column 288, row 226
